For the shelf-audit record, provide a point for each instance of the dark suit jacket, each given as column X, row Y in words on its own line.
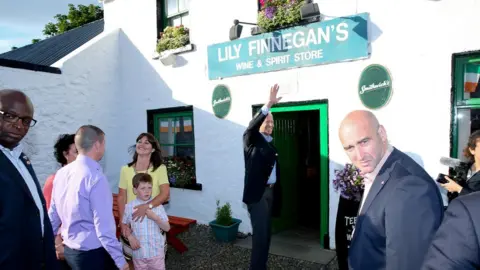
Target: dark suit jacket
column 22, row 246
column 456, row 243
column 260, row 157
column 472, row 185
column 400, row 215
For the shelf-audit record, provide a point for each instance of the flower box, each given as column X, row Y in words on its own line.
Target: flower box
column 279, row 14
column 173, row 37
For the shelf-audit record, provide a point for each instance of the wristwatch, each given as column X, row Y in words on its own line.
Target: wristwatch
column 150, row 206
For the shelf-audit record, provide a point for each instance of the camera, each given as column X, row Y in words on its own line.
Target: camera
column 458, row 172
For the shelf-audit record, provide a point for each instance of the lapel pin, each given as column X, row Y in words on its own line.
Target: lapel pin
column 383, row 182
column 26, row 159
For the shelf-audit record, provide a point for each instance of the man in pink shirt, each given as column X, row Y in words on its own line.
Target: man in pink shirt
column 82, row 204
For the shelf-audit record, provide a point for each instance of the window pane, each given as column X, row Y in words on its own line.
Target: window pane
column 183, row 5
column 185, row 151
column 184, row 130
column 167, row 131
column 468, row 122
column 183, row 19
column 172, row 7
column 186, row 20
column 470, row 81
column 168, row 151
column 175, row 21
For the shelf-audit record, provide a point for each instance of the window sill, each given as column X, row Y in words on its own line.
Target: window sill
column 187, row 48
column 195, row 186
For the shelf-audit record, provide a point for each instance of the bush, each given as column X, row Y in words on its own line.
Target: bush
column 173, row 37
column 275, row 14
column 224, row 214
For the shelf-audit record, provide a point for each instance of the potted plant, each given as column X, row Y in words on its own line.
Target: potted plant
column 278, row 14
column 350, row 184
column 224, row 227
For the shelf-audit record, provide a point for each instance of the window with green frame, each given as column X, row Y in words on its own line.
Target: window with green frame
column 175, row 13
column 174, row 129
column 465, row 100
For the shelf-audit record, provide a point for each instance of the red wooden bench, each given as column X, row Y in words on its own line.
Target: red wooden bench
column 177, row 226
column 116, row 215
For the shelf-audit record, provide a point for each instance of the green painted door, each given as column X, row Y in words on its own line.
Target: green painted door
column 285, row 140
column 289, row 164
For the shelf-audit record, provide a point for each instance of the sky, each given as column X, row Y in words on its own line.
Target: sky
column 23, row 20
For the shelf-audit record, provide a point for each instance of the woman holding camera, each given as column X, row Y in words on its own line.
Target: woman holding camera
column 472, row 153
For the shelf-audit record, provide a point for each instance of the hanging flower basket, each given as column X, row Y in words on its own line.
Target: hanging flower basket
column 278, row 14
column 349, row 182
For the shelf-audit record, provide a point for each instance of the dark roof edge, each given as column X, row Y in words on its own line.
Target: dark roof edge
column 29, row 66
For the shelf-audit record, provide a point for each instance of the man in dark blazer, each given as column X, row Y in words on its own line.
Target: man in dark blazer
column 261, row 192
column 456, row 245
column 27, row 241
column 401, row 207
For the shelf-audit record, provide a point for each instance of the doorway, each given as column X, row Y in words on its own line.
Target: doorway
column 301, row 137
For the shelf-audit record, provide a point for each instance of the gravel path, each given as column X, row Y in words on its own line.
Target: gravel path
column 205, row 253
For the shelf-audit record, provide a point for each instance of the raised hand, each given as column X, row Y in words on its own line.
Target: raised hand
column 273, row 95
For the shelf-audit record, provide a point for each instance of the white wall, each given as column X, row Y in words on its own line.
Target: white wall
column 112, row 81
column 85, row 93
column 414, row 39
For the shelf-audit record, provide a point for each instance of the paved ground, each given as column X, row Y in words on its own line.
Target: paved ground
column 205, row 253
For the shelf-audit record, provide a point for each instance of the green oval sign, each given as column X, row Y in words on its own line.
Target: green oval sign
column 221, row 101
column 375, row 86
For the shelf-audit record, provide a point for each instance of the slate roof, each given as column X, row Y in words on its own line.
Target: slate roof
column 48, row 51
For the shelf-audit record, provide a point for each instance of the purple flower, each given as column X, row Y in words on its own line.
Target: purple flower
column 349, row 182
column 270, row 12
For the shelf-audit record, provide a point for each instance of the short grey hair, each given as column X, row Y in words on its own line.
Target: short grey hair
column 86, row 136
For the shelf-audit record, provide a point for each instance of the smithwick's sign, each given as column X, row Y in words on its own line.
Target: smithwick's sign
column 221, row 101
column 336, row 40
column 375, row 86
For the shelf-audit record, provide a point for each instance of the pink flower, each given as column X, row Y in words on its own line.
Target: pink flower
column 262, row 3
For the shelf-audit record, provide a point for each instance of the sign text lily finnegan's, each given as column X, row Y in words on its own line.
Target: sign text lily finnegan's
column 339, row 39
column 287, row 41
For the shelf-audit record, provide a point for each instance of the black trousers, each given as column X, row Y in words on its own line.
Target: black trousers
column 63, row 265
column 95, row 259
column 261, row 217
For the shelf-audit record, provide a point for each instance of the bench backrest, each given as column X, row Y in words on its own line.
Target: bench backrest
column 116, row 214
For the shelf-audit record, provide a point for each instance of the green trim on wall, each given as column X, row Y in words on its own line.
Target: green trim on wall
column 322, row 108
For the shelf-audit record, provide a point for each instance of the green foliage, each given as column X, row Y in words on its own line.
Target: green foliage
column 181, row 170
column 277, row 14
column 76, row 17
column 173, row 37
column 35, row 40
column 224, row 214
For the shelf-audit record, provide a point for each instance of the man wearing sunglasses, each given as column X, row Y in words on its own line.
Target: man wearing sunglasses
column 26, row 234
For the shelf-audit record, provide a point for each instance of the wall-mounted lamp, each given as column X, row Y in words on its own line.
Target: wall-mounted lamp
column 310, row 11
column 236, row 29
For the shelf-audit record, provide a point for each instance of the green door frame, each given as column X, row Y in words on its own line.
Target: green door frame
column 322, row 107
